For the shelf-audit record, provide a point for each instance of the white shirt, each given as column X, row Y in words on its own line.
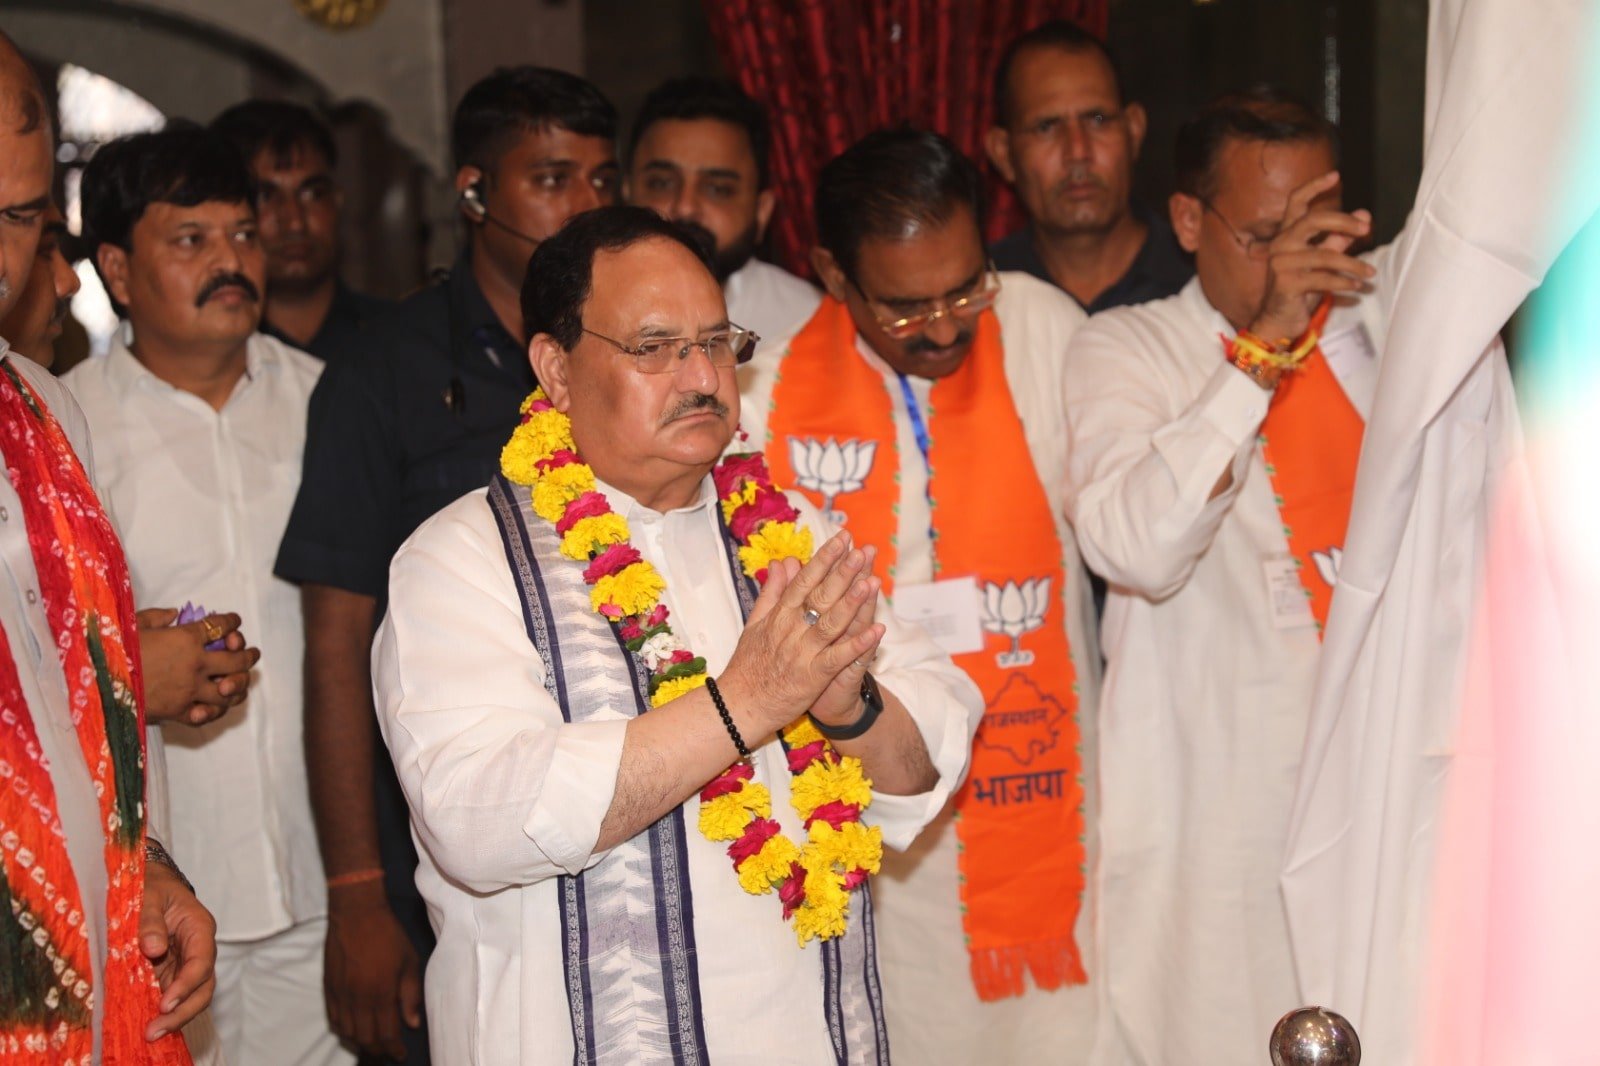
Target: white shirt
column 1204, row 708
column 44, row 686
column 769, row 300
column 202, row 497
column 504, row 797
column 934, row 1013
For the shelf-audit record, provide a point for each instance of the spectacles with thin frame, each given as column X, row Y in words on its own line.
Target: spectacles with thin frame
column 978, row 299
column 1253, row 246
column 733, row 346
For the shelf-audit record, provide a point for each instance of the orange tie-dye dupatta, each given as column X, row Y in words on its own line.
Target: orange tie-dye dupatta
column 47, row 983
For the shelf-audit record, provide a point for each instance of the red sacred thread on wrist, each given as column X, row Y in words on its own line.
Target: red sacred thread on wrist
column 355, row 877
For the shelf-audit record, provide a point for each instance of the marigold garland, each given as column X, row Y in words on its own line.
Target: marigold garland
column 829, row 791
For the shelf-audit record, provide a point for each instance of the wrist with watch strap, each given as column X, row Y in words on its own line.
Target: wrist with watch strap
column 871, row 707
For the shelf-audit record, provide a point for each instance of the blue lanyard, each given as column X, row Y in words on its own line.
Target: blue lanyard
column 918, row 428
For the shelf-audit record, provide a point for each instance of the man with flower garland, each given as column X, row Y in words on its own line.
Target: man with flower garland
column 1212, row 445
column 649, row 769
column 920, row 405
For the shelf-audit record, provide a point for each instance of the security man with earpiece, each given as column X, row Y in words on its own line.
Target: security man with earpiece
column 396, row 432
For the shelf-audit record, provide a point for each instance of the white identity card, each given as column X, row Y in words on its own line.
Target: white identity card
column 950, row 612
column 1286, row 594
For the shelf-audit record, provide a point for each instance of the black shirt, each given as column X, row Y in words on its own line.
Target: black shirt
column 344, row 330
column 1160, row 269
column 384, row 448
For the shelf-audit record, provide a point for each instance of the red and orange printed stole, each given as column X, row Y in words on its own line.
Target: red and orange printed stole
column 1311, row 441
column 47, row 983
column 1020, row 813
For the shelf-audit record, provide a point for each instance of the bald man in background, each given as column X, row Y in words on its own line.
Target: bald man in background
column 101, row 1003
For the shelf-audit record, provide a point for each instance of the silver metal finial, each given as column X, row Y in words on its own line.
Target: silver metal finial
column 1312, row 1036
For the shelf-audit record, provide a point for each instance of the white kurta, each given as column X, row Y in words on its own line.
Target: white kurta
column 769, row 300
column 934, row 1013
column 201, row 498
column 505, row 798
column 1204, row 706
column 1507, row 179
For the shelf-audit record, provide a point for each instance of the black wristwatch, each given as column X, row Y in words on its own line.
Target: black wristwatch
column 871, row 707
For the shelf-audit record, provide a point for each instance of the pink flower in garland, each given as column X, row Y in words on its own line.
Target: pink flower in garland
column 854, row 878
column 682, row 655
column 558, row 458
column 589, row 505
column 756, row 834
column 630, row 629
column 804, row 755
column 793, row 890
column 730, row 780
column 731, row 474
column 610, row 561
column 770, row 505
column 836, row 813
column 657, row 616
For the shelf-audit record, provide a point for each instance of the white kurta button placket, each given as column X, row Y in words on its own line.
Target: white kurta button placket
column 203, row 496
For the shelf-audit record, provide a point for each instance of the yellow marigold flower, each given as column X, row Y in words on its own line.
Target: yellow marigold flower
column 548, row 432
column 773, row 541
column 767, row 867
column 517, row 459
column 825, row 913
column 678, row 686
column 822, row 783
column 529, row 400
column 846, row 848
column 725, row 817
column 587, row 532
column 738, row 499
column 559, row 487
column 635, row 589
column 801, row 732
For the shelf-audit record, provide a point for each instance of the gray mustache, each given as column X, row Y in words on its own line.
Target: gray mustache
column 695, row 403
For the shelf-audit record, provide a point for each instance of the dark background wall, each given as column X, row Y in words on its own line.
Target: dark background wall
column 1359, row 61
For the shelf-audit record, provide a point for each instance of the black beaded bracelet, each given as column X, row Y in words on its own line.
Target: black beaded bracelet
column 727, row 719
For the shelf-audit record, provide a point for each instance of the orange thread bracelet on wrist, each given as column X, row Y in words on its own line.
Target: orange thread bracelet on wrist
column 355, row 877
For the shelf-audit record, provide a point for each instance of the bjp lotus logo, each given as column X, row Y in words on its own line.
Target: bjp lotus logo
column 831, row 469
column 1328, row 564
column 1013, row 609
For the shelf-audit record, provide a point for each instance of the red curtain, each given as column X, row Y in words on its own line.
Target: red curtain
column 831, row 71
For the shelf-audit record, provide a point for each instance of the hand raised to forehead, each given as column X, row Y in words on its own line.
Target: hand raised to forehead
column 1308, row 260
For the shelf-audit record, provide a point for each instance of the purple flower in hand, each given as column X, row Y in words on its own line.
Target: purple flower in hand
column 192, row 612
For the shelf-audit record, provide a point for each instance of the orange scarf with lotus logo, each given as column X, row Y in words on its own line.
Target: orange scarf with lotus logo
column 1020, row 814
column 1311, row 443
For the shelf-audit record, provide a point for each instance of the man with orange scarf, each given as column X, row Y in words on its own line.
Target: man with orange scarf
column 920, row 407
column 1212, row 445
column 104, row 951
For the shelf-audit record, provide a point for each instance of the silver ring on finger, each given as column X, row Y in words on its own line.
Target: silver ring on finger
column 812, row 615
